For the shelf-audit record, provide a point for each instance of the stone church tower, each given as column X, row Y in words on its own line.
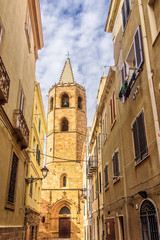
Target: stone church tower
column 62, row 207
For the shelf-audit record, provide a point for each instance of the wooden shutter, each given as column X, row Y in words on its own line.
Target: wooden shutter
column 116, row 164
column 111, row 109
column 0, row 33
column 114, row 110
column 136, row 140
column 123, row 16
column 13, row 178
column 100, row 189
column 123, row 73
column 106, row 175
column 138, row 48
column 128, row 9
column 142, row 136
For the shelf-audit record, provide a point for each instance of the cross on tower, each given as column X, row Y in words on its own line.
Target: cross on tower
column 68, row 54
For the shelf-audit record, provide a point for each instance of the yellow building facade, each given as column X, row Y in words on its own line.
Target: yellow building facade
column 20, row 39
column 62, row 209
column 36, row 157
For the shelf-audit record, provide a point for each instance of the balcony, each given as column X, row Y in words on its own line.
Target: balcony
column 20, row 128
column 4, row 83
column 88, row 174
column 92, row 164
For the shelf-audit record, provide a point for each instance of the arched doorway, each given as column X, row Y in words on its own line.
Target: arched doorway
column 64, row 223
column 149, row 221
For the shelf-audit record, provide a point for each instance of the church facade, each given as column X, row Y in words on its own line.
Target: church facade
column 62, row 190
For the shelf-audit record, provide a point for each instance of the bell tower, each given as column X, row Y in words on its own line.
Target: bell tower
column 62, row 208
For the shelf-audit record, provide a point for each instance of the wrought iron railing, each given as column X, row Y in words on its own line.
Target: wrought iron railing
column 4, row 83
column 21, row 128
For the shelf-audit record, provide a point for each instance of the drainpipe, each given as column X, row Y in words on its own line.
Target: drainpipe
column 150, row 77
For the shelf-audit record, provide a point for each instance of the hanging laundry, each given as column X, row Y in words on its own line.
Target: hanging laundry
column 123, row 89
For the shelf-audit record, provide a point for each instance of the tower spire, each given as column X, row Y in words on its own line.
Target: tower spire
column 67, row 74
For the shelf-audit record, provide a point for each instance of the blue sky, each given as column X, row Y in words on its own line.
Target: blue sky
column 76, row 26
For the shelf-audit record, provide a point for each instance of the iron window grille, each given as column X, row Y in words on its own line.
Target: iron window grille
column 13, row 179
column 149, row 221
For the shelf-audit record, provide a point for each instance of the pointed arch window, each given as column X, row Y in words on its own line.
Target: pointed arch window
column 64, row 125
column 79, row 102
column 64, row 210
column 65, row 100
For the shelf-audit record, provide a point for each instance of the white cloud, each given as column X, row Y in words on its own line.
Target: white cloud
column 76, row 26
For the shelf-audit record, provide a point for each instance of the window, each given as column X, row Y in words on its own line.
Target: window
column 115, row 165
column 96, row 184
column 149, row 221
column 38, row 155
column 51, row 104
column 79, row 102
column 64, row 210
column 154, row 20
column 39, row 126
column 35, row 192
column 31, row 187
column 0, row 33
column 21, row 100
column 100, row 189
column 43, row 219
column 138, row 48
column 13, row 179
column 106, row 176
column 99, row 142
column 92, row 193
column 28, row 28
column 64, row 124
column 125, row 13
column 64, row 181
column 65, row 100
column 123, row 73
column 112, row 109
column 34, row 144
column 139, row 137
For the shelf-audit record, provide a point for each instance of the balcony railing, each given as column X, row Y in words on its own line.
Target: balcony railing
column 4, row 83
column 92, row 164
column 89, row 174
column 20, row 128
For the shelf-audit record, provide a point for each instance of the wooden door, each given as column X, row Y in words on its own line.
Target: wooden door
column 64, row 227
column 110, row 229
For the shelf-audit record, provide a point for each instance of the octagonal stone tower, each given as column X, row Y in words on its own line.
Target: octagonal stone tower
column 62, row 208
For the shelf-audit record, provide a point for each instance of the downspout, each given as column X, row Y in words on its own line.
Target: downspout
column 150, row 77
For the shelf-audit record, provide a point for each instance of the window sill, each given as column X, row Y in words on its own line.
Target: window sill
column 116, row 179
column 106, row 188
column 140, row 161
column 112, row 125
column 155, row 39
column 9, row 206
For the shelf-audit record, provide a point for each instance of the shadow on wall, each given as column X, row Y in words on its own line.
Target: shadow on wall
column 49, row 226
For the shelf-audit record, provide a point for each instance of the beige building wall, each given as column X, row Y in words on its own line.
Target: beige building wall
column 65, row 151
column 17, row 73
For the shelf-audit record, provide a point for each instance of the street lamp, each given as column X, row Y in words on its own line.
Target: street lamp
column 44, row 174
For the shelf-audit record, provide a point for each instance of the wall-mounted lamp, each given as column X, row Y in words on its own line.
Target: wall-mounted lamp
column 143, row 194
column 44, row 174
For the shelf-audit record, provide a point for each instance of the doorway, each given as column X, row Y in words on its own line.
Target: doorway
column 64, row 227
